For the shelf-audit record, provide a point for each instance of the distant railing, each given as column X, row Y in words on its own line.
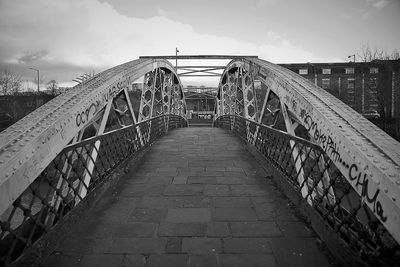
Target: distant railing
column 314, row 176
column 74, row 173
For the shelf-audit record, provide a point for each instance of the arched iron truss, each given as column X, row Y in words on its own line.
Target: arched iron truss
column 327, row 145
column 50, row 159
column 345, row 168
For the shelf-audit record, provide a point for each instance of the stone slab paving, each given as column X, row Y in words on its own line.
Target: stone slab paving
column 197, row 198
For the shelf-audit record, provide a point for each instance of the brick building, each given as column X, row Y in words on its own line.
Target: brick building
column 370, row 88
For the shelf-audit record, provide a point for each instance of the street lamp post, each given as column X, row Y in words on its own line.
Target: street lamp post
column 38, row 78
column 354, row 69
column 354, row 57
column 176, row 59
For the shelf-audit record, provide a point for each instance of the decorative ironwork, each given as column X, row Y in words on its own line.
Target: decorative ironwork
column 335, row 199
column 366, row 156
column 74, row 173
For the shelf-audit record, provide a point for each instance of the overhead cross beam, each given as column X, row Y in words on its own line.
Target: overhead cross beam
column 198, row 57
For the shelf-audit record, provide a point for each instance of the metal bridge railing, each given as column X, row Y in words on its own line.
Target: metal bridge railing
column 75, row 172
column 310, row 171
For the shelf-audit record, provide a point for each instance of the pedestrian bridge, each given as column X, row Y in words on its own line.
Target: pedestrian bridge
column 84, row 180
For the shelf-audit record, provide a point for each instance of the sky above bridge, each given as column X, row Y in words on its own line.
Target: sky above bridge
column 67, row 38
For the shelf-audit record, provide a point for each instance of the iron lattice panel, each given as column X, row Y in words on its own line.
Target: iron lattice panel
column 73, row 174
column 335, row 200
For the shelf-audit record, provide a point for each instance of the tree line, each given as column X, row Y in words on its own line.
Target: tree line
column 368, row 54
column 11, row 83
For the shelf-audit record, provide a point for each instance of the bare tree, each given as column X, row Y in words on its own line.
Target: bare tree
column 395, row 55
column 368, row 54
column 52, row 86
column 10, row 83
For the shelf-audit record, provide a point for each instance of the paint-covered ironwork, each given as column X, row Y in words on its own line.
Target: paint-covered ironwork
column 89, row 110
column 28, row 146
column 366, row 157
column 336, row 201
column 70, row 176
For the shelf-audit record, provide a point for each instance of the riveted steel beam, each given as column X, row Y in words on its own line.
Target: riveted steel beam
column 28, row 146
column 367, row 157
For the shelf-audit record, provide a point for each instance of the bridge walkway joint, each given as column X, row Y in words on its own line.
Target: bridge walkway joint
column 197, row 198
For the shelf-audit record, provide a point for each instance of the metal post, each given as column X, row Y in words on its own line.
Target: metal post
column 354, row 67
column 38, row 78
column 176, row 59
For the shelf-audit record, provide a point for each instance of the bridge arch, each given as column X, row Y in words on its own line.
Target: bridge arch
column 28, row 146
column 367, row 157
column 65, row 144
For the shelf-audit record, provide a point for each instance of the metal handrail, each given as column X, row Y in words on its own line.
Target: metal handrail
column 69, row 178
column 327, row 191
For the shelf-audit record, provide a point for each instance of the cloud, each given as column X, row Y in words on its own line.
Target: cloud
column 345, row 16
column 264, row 3
column 92, row 35
column 378, row 3
column 163, row 13
column 32, row 56
column 381, row 3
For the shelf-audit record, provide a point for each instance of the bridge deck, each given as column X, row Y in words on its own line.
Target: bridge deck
column 197, row 198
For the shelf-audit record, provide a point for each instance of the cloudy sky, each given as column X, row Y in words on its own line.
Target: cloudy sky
column 65, row 38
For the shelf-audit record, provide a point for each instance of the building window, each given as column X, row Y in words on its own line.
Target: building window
column 373, row 83
column 350, row 97
column 303, row 71
column 373, row 93
column 350, row 83
column 350, row 91
column 373, row 97
column 373, row 70
column 349, row 70
column 326, row 71
column 325, row 83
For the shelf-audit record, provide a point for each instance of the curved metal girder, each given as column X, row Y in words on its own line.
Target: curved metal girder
column 28, row 146
column 366, row 156
column 161, row 89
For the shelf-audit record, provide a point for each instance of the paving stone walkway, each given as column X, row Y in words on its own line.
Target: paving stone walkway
column 197, row 198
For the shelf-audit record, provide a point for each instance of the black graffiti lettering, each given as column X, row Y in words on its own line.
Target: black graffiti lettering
column 354, row 173
column 333, row 148
column 323, row 142
column 363, row 182
column 326, row 141
column 84, row 116
column 353, row 166
column 379, row 211
column 78, row 119
column 373, row 199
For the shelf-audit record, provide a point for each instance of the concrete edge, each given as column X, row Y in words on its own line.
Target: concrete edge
column 35, row 255
column 338, row 250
